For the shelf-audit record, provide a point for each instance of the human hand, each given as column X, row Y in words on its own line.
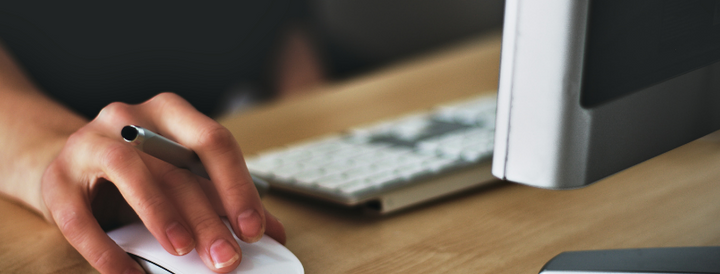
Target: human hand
column 182, row 211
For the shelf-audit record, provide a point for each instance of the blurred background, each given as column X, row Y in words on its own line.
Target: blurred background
column 223, row 56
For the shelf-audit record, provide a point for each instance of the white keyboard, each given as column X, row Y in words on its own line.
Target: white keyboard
column 373, row 164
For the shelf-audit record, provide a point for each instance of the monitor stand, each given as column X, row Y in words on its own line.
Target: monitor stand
column 646, row 260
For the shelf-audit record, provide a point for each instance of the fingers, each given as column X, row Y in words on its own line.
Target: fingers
column 178, row 208
column 215, row 244
column 70, row 211
column 122, row 165
column 87, row 157
column 175, row 118
column 221, row 156
column 113, row 117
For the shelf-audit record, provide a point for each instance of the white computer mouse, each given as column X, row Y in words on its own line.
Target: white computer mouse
column 264, row 256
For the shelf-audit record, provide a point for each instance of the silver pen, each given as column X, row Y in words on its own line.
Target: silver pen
column 176, row 154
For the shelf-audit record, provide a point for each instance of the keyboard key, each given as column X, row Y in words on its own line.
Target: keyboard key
column 409, row 172
column 331, row 181
column 358, row 172
column 372, row 158
column 452, row 150
column 474, row 155
column 438, row 164
column 309, row 177
column 428, row 147
column 382, row 178
column 260, row 168
column 321, row 160
column 287, row 172
column 353, row 186
column 340, row 166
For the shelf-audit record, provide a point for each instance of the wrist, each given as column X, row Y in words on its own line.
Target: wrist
column 37, row 130
column 26, row 186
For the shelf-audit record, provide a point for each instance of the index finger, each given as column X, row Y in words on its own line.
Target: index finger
column 220, row 154
column 71, row 211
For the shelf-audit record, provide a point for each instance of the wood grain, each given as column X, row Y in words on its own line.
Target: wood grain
column 508, row 228
column 29, row 244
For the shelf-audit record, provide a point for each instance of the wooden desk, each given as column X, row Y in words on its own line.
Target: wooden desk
column 667, row 201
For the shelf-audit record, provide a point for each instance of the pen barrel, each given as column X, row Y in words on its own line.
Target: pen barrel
column 169, row 151
column 173, row 153
column 176, row 154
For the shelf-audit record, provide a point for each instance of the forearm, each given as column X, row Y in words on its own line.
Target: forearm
column 33, row 129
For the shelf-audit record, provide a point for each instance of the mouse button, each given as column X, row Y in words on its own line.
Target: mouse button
column 150, row 267
column 268, row 256
column 137, row 240
column 134, row 235
column 266, row 250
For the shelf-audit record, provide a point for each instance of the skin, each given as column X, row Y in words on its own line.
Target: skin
column 83, row 177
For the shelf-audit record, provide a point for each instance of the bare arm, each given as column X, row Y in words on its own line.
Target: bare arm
column 33, row 130
column 56, row 162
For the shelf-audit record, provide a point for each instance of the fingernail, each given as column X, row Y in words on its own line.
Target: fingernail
column 180, row 238
column 223, row 254
column 250, row 225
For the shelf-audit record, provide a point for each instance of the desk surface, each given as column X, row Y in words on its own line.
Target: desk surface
column 667, row 201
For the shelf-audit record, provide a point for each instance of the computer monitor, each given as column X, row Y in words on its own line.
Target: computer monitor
column 591, row 87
